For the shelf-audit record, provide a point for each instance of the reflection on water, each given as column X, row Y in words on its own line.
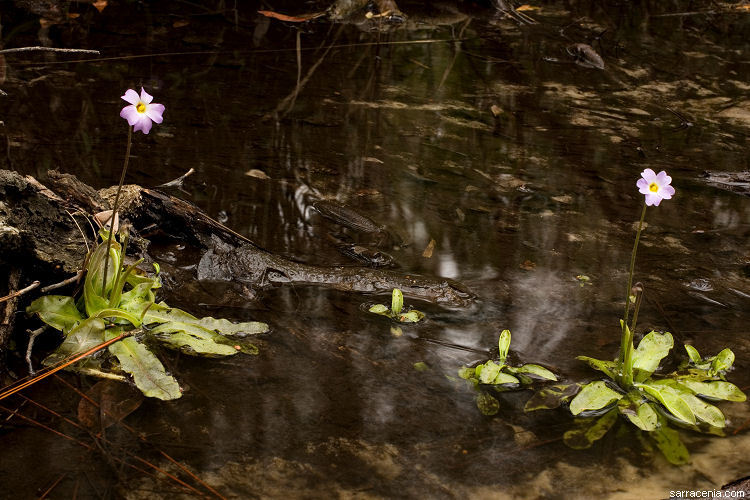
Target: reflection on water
column 399, row 126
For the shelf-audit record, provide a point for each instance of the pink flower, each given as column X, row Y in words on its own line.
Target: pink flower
column 141, row 111
column 655, row 186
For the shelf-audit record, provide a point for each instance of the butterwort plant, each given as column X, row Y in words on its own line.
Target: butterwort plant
column 118, row 310
column 649, row 400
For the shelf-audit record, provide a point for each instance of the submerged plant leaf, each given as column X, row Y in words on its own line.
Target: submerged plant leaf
column 669, row 443
column 672, row 399
column 585, row 436
column 650, row 351
column 467, row 373
column 551, row 397
column 112, row 402
column 148, row 373
column 87, row 334
column 593, row 396
column 58, row 311
column 503, row 344
column 717, row 389
column 608, row 367
column 487, row 404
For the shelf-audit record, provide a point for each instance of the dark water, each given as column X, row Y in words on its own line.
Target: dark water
column 398, row 125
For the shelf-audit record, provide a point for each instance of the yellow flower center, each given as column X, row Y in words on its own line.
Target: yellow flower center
column 653, row 187
column 141, row 108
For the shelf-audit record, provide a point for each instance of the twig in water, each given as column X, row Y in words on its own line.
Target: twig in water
column 49, row 49
column 178, row 181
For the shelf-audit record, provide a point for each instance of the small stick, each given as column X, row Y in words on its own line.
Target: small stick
column 178, row 181
column 20, row 292
column 49, row 49
column 33, row 334
column 64, row 282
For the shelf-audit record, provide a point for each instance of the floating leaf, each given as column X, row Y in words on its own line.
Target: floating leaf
column 412, row 316
column 668, row 441
column 551, row 397
column 58, row 311
column 717, row 389
column 487, row 404
column 705, row 412
column 190, row 344
column 380, row 309
column 593, row 396
column 608, row 367
column 537, row 371
column 147, row 371
column 723, row 361
column 670, row 398
column 503, row 345
column 638, row 411
column 693, row 354
column 488, row 371
column 584, row 437
column 226, row 327
column 87, row 334
column 650, row 351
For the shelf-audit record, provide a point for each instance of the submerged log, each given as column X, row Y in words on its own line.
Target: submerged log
column 38, row 223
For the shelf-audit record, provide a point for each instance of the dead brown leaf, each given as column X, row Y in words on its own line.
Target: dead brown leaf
column 428, row 250
column 116, row 401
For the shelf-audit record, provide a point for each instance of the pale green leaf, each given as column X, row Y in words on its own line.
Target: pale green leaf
column 467, row 373
column 503, row 345
column 58, row 311
column 704, row 412
column 380, row 309
column 488, row 372
column 86, row 335
column 670, row 398
column 693, row 354
column 608, row 367
column 537, row 371
column 412, row 316
column 148, row 373
column 717, row 389
column 638, row 411
column 723, row 361
column 650, row 351
column 593, row 396
column 195, row 345
column 397, row 301
column 226, row 327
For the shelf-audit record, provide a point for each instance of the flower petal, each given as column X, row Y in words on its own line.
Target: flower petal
column 663, row 179
column 130, row 96
column 144, row 125
column 649, row 175
column 154, row 111
column 130, row 114
column 666, row 192
column 146, row 97
column 642, row 185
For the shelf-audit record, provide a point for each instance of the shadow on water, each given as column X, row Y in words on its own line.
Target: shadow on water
column 518, row 163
